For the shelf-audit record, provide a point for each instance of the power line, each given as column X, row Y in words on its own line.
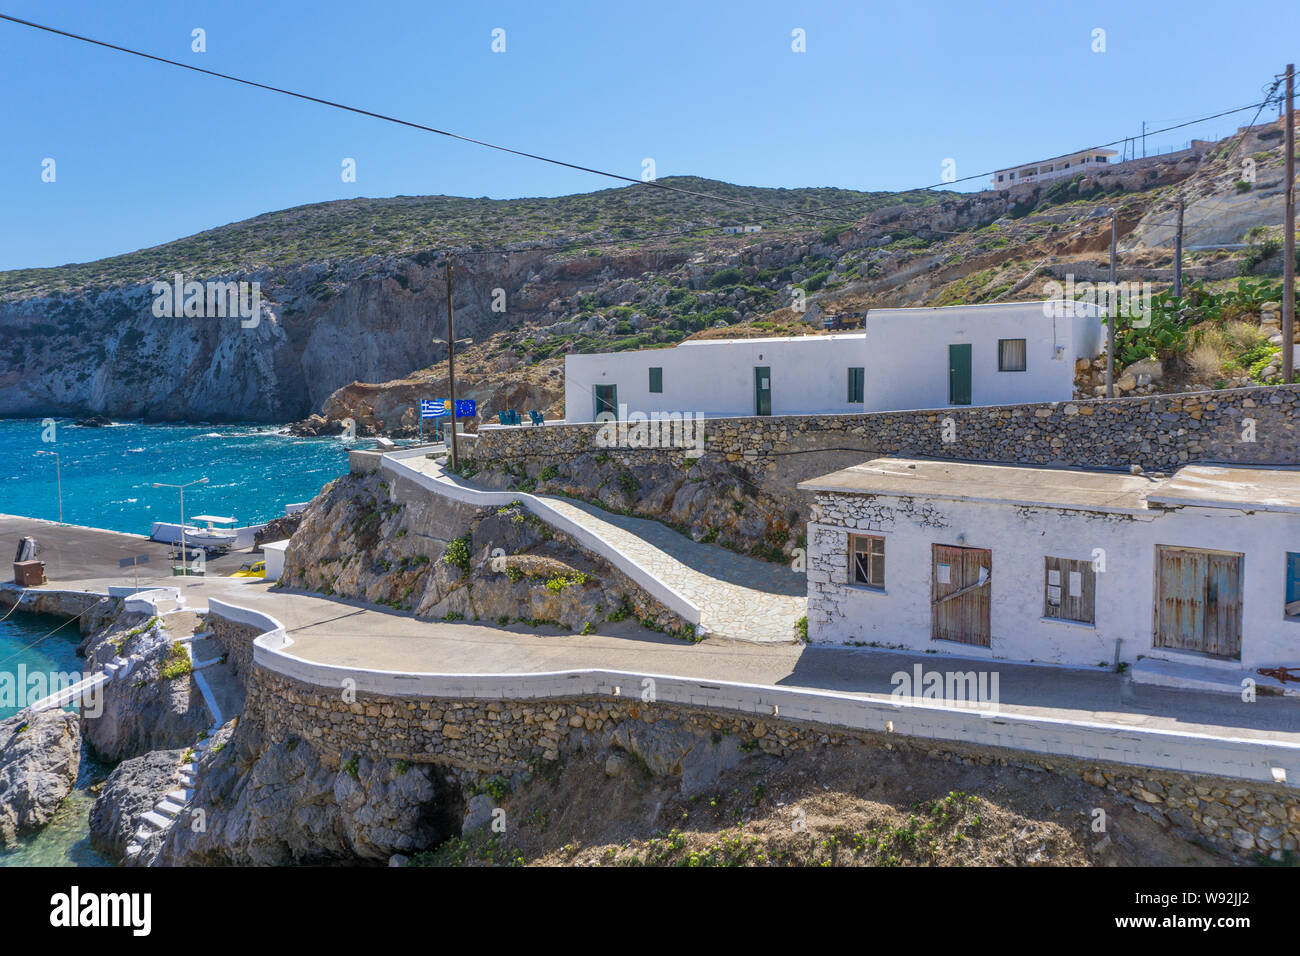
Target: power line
column 782, row 211
column 401, row 122
column 777, row 212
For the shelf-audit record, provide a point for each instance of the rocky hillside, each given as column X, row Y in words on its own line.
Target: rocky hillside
column 354, row 301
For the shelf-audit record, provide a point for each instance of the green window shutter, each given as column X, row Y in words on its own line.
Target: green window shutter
column 656, row 380
column 857, row 385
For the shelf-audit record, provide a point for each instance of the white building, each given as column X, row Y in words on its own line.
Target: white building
column 1067, row 165
column 1002, row 353
column 1195, row 574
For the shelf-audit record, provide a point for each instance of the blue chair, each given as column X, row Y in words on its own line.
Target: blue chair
column 503, row 418
column 514, row 418
column 537, row 417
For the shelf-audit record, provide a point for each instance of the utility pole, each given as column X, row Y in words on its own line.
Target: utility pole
column 1111, row 319
column 451, row 367
column 1178, row 253
column 1144, row 139
column 1288, row 265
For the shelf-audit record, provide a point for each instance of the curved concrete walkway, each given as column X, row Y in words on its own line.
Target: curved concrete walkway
column 722, row 593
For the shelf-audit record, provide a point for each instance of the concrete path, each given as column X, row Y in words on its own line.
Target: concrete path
column 737, row 597
column 350, row 633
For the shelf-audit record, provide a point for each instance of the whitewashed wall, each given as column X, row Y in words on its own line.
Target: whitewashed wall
column 1020, row 538
column 909, row 354
column 716, row 378
column 904, row 352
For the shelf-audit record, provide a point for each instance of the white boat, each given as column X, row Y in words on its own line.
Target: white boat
column 208, row 537
column 211, row 536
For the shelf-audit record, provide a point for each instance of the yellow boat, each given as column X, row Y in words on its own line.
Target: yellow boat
column 255, row 570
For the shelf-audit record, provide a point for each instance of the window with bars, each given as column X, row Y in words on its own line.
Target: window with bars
column 867, row 560
column 1011, row 355
column 857, row 385
column 1069, row 590
column 656, row 380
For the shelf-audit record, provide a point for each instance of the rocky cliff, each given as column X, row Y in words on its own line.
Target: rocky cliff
column 39, row 759
column 353, row 295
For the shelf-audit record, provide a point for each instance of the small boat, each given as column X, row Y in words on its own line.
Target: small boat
column 211, row 536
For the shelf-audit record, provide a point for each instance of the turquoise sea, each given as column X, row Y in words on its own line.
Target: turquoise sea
column 253, row 471
column 38, row 642
column 107, row 476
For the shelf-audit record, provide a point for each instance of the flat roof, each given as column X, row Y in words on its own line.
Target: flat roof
column 773, row 338
column 1243, row 488
column 1036, row 305
column 1052, row 159
column 1000, row 484
column 215, row 519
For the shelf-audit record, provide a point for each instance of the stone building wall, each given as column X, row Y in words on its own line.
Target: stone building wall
column 1158, row 432
column 511, row 735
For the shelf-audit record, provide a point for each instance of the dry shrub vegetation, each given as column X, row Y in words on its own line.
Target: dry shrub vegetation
column 844, row 806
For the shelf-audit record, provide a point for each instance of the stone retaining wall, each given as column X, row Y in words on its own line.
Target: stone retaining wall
column 1158, row 432
column 236, row 640
column 512, row 735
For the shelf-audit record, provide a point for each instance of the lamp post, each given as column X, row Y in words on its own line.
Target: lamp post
column 58, row 475
column 181, row 488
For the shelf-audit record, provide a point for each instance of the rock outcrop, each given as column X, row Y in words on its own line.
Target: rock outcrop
column 289, row 803
column 130, row 791
column 397, row 545
column 39, row 760
column 144, row 711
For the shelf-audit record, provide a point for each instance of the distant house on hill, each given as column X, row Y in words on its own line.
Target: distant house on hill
column 734, row 229
column 992, row 354
column 1066, row 165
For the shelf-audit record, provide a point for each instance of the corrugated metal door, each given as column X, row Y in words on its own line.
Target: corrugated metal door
column 1198, row 601
column 960, row 594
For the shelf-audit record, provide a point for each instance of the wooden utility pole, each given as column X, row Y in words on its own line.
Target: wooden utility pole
column 1144, row 139
column 451, row 367
column 1178, row 253
column 1288, row 246
column 1112, row 318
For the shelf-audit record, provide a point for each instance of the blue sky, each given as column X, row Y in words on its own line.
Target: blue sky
column 146, row 153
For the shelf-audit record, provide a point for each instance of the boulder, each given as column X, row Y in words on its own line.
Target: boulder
column 39, row 760
column 130, row 791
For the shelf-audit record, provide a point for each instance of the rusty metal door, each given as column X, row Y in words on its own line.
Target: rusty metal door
column 961, row 585
column 1198, row 601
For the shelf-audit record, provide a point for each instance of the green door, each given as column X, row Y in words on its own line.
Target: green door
column 959, row 375
column 606, row 401
column 762, row 390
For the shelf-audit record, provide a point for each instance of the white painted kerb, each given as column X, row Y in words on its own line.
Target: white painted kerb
column 665, row 594
column 1085, row 740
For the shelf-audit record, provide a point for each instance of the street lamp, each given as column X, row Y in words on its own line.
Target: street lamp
column 181, row 489
column 58, row 474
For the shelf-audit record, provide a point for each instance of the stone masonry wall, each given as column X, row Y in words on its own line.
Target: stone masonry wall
column 236, row 640
column 1158, row 432
column 511, row 735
